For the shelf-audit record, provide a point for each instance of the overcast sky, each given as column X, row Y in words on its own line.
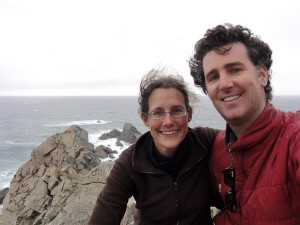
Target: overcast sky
column 72, row 47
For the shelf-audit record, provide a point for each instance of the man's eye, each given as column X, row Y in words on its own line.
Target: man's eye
column 235, row 70
column 212, row 77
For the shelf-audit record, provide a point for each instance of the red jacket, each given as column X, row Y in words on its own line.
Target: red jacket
column 266, row 159
column 159, row 199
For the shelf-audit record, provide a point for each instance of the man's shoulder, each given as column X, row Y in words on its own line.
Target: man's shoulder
column 220, row 138
column 292, row 117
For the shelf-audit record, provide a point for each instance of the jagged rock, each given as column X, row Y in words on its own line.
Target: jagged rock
column 130, row 133
column 33, row 184
column 103, row 152
column 119, row 143
column 59, row 185
column 112, row 134
column 3, row 193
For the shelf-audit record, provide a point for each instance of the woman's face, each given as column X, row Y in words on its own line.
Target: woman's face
column 167, row 132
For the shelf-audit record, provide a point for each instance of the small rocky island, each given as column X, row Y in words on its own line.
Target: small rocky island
column 60, row 184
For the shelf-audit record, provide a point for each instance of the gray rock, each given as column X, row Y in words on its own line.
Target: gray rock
column 130, row 133
column 119, row 143
column 112, row 134
column 3, row 193
column 59, row 185
column 103, row 152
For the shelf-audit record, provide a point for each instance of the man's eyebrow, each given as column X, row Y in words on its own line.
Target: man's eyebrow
column 210, row 72
column 228, row 65
column 237, row 63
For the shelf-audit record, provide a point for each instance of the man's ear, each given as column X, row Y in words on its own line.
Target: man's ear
column 263, row 73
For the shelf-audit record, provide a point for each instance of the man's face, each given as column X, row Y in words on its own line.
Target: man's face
column 235, row 85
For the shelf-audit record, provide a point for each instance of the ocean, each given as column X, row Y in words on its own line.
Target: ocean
column 28, row 121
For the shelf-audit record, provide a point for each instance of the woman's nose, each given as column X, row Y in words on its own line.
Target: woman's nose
column 168, row 119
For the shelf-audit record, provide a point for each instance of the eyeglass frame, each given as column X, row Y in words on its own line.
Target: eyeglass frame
column 230, row 195
column 149, row 115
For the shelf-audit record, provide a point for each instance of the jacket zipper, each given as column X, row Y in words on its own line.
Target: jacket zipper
column 175, row 184
column 243, row 173
column 176, row 188
column 176, row 201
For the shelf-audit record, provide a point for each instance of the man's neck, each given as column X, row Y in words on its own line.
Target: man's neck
column 239, row 127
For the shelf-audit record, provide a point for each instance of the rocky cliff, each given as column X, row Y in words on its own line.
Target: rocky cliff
column 59, row 185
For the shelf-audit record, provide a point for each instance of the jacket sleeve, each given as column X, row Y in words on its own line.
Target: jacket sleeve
column 207, row 135
column 112, row 201
column 295, row 149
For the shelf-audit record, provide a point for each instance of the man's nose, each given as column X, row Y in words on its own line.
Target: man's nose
column 225, row 82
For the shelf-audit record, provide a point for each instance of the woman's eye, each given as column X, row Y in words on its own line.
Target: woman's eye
column 178, row 110
column 158, row 113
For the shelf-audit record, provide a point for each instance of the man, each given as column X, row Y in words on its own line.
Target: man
column 255, row 162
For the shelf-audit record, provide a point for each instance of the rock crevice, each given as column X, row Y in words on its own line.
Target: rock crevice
column 59, row 184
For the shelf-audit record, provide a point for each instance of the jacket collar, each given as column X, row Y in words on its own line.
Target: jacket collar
column 266, row 126
column 142, row 164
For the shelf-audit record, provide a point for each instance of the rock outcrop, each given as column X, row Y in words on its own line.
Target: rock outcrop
column 59, row 185
column 103, row 152
column 129, row 134
column 3, row 193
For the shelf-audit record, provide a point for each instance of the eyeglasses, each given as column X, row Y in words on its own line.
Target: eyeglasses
column 160, row 114
column 229, row 180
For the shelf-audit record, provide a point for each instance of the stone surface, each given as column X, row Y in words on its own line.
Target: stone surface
column 3, row 193
column 103, row 152
column 59, row 185
column 112, row 134
column 129, row 134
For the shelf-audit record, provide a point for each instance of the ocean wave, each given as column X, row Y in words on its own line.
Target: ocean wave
column 6, row 177
column 8, row 143
column 79, row 123
column 111, row 143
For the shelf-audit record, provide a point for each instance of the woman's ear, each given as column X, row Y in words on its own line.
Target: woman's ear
column 190, row 114
column 144, row 117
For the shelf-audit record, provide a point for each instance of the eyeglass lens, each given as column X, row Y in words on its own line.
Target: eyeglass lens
column 229, row 179
column 229, row 176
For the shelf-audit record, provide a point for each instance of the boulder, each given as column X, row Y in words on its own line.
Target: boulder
column 112, row 134
column 119, row 143
column 59, row 185
column 103, row 152
column 129, row 134
column 3, row 193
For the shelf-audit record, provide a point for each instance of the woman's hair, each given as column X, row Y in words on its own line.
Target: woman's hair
column 160, row 78
column 220, row 40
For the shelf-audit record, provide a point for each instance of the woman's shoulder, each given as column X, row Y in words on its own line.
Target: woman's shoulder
column 127, row 153
column 208, row 131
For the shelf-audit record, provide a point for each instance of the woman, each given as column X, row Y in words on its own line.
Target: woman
column 166, row 170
